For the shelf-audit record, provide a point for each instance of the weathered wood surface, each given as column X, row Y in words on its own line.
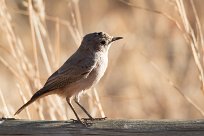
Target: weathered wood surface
column 101, row 128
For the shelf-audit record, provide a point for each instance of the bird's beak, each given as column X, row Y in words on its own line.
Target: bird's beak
column 116, row 38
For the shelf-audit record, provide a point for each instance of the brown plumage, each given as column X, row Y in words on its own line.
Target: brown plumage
column 80, row 72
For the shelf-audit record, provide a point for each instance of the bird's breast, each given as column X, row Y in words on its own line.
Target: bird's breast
column 101, row 67
column 92, row 79
column 99, row 70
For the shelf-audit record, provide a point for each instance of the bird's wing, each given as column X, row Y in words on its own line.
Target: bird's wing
column 72, row 71
column 69, row 73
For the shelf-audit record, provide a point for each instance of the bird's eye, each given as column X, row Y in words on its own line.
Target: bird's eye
column 103, row 42
column 99, row 33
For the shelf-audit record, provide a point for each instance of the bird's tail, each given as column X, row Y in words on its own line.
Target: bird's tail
column 36, row 96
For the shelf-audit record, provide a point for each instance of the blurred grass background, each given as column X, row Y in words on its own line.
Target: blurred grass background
column 155, row 72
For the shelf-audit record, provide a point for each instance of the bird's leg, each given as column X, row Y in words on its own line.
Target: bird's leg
column 69, row 102
column 87, row 113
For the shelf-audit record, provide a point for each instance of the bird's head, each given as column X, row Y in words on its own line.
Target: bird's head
column 98, row 41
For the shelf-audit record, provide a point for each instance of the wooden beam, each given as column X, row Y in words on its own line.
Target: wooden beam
column 107, row 127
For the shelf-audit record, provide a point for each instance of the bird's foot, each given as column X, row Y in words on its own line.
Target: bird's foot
column 4, row 118
column 75, row 121
column 84, row 123
column 94, row 119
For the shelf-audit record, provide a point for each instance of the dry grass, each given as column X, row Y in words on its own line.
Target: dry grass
column 156, row 72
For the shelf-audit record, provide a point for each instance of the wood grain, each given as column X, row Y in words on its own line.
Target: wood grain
column 107, row 127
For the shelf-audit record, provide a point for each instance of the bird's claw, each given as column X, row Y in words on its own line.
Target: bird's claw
column 94, row 119
column 85, row 123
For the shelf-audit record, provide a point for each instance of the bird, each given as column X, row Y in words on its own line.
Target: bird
column 80, row 72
